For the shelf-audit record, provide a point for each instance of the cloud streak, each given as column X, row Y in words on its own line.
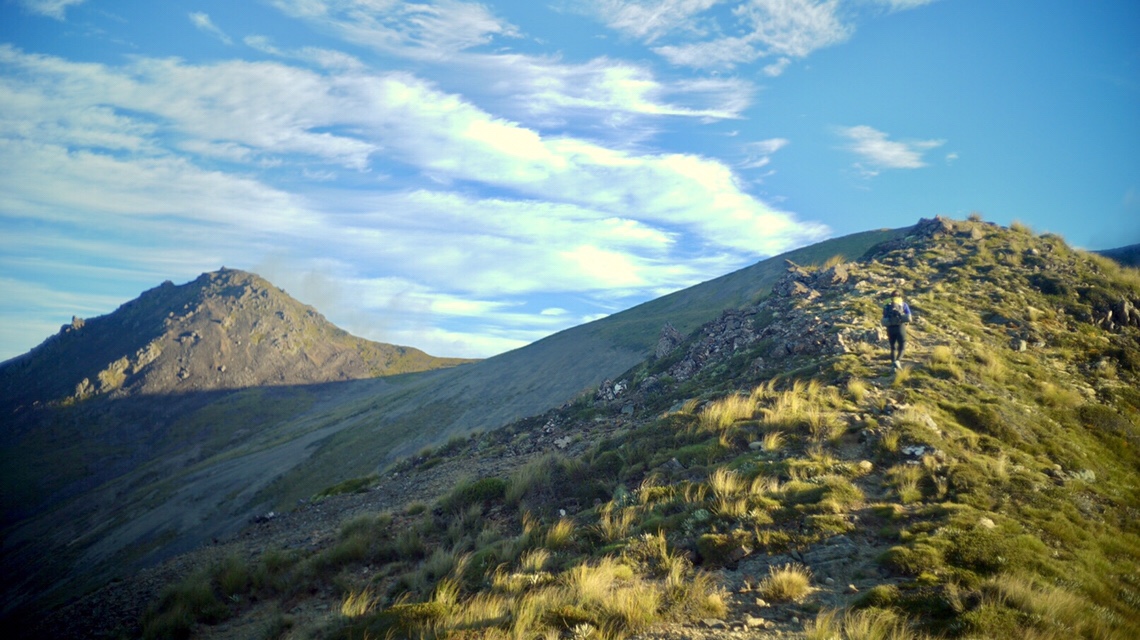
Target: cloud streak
column 205, row 25
column 782, row 30
column 877, row 152
column 52, row 8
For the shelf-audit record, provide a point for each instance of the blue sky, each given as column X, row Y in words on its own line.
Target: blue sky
column 468, row 177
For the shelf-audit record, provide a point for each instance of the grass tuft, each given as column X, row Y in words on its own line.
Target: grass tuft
column 787, row 583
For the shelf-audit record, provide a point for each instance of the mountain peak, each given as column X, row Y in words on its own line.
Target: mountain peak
column 225, row 329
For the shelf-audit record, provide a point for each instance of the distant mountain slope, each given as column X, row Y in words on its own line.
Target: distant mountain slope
column 225, row 330
column 1128, row 256
column 527, row 381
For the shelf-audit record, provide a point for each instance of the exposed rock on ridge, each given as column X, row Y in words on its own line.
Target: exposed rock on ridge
column 224, row 330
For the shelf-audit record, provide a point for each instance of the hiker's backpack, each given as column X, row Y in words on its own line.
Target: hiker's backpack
column 894, row 314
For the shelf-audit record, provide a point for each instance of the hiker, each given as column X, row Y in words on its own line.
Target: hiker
column 896, row 314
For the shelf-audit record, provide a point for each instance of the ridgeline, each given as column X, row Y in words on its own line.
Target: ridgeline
column 766, row 474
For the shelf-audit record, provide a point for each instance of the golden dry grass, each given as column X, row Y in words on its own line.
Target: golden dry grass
column 787, row 583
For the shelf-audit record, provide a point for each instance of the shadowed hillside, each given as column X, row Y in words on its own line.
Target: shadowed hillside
column 770, row 474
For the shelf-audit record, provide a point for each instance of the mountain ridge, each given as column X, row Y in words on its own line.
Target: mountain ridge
column 226, row 329
column 769, row 474
column 313, row 437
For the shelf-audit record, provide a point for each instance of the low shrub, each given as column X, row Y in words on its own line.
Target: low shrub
column 474, row 492
column 724, row 549
column 914, row 559
column 881, row 595
column 182, row 605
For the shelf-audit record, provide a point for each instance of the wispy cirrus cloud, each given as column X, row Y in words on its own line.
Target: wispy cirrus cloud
column 783, row 30
column 759, row 154
column 878, row 152
column 52, row 8
column 204, row 24
column 650, row 19
column 428, row 30
column 902, row 5
column 543, row 89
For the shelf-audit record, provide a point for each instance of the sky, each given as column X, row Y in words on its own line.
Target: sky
column 469, row 177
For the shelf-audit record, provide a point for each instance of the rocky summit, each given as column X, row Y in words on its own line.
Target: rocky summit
column 226, row 329
column 768, row 474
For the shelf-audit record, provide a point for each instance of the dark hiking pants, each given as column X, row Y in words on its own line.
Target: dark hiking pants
column 896, row 334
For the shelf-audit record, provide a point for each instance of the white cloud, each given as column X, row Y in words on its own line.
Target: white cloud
column 205, row 25
column 711, row 54
column 793, row 28
column 878, row 152
column 129, row 154
column 52, row 8
column 759, row 154
column 649, row 19
column 783, row 29
column 425, row 30
column 545, row 89
column 902, row 5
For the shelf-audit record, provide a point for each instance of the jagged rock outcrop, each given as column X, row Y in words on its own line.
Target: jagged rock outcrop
column 670, row 339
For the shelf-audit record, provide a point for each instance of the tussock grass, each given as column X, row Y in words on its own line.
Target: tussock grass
column 902, row 375
column 183, row 604
column 860, row 624
column 721, row 414
column 1058, row 397
column 615, row 523
column 773, row 441
column 941, row 354
column 889, row 443
column 857, row 390
column 560, row 535
column 786, row 583
column 905, row 479
column 359, row 603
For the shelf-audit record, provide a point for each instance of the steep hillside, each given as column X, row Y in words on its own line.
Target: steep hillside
column 98, row 488
column 431, row 410
column 771, row 474
column 225, row 330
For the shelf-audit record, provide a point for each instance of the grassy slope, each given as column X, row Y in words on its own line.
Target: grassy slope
column 996, row 488
column 430, row 409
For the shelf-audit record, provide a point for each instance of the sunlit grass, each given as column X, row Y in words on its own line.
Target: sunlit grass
column 719, row 415
column 787, row 583
column 359, row 603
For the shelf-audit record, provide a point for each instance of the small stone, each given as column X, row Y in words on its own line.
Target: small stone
column 761, row 602
column 713, row 623
column 866, row 466
column 795, row 619
column 986, row 523
column 852, row 589
column 753, row 622
column 829, row 581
